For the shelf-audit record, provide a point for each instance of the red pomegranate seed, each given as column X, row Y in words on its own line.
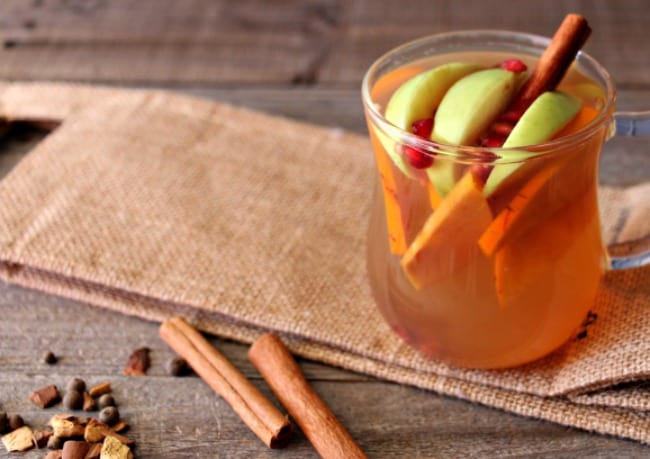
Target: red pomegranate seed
column 492, row 141
column 513, row 65
column 512, row 115
column 503, row 128
column 417, row 158
column 422, row 128
column 481, row 172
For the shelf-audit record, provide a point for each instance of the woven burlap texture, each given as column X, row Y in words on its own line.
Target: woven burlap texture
column 156, row 204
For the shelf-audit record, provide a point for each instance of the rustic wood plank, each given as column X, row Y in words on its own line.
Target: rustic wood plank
column 182, row 417
column 207, row 42
column 34, row 330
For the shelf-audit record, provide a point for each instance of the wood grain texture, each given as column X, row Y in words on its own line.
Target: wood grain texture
column 206, row 42
column 303, row 60
column 183, row 418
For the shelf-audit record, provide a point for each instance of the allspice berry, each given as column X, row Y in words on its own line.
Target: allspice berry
column 178, row 367
column 109, row 415
column 73, row 400
column 77, row 384
column 106, row 400
column 50, row 358
column 16, row 421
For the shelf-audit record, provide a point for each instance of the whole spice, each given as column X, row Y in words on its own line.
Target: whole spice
column 550, row 69
column 100, row 389
column 58, row 454
column 253, row 408
column 16, row 421
column 76, row 384
column 106, row 400
column 178, row 366
column 138, row 362
column 73, row 400
column 89, row 403
column 318, row 423
column 557, row 58
column 50, row 358
column 45, row 396
column 109, row 415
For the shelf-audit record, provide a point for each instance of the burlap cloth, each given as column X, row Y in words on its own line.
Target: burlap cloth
column 156, row 204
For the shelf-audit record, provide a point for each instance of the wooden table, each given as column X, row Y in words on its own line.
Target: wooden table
column 304, row 60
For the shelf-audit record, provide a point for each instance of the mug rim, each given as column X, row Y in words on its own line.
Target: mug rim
column 478, row 153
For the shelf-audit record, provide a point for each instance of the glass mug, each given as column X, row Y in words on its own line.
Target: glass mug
column 481, row 273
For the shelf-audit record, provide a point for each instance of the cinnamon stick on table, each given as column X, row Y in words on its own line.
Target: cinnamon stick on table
column 283, row 375
column 261, row 416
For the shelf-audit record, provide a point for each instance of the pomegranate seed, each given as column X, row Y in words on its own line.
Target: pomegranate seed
column 417, row 158
column 512, row 115
column 513, row 65
column 481, row 172
column 423, row 127
column 503, row 128
column 492, row 141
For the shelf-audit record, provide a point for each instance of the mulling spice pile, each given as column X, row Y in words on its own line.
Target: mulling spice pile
column 81, row 437
column 72, row 436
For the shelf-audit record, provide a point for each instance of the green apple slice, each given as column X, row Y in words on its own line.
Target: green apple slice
column 471, row 104
column 443, row 175
column 546, row 116
column 465, row 111
column 418, row 98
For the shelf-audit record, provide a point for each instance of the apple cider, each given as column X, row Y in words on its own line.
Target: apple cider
column 486, row 257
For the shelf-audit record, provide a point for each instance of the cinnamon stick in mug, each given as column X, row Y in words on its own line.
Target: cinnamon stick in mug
column 259, row 414
column 283, row 375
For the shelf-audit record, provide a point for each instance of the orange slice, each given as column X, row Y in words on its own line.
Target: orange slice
column 447, row 242
column 406, row 201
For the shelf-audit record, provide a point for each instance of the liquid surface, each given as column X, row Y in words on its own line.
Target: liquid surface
column 510, row 277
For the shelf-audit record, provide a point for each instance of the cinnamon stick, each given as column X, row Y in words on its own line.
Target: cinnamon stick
column 556, row 59
column 259, row 414
column 549, row 71
column 283, row 375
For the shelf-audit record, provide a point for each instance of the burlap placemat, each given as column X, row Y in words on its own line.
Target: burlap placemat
column 155, row 204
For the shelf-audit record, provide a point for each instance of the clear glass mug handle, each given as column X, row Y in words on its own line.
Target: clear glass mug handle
column 631, row 254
